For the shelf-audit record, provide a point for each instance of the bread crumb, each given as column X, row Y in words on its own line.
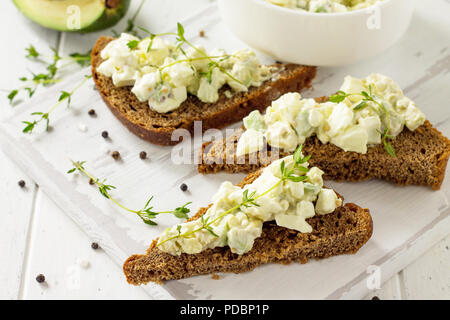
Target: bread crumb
column 215, row 276
column 82, row 127
column 228, row 94
column 83, row 263
column 201, row 33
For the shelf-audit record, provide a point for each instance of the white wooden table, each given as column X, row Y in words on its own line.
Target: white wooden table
column 37, row 237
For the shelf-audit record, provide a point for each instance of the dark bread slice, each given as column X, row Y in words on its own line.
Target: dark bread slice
column 158, row 127
column 421, row 158
column 344, row 231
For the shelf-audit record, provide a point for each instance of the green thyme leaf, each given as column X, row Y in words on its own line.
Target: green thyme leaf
column 12, row 95
column 321, row 9
column 283, row 168
column 145, row 30
column 72, row 170
column 32, row 52
column 30, row 91
column 210, row 230
column 181, row 212
column 64, row 95
column 303, row 169
column 180, row 30
column 338, row 97
column 297, row 178
column 305, row 159
column 149, row 222
column 361, row 105
column 298, row 154
column 83, row 59
column 132, row 44
column 389, row 148
column 29, row 126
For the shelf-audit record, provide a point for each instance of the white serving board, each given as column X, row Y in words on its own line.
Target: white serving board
column 407, row 221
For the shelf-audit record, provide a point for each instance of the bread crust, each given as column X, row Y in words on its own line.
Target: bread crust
column 294, row 78
column 344, row 231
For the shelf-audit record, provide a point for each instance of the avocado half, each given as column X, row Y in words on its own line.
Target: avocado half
column 74, row 15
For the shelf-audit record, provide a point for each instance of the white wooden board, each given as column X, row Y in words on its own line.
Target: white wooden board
column 405, row 226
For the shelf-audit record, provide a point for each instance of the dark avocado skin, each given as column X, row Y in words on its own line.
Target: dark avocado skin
column 109, row 17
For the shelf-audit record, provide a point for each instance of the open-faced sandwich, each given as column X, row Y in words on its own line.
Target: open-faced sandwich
column 279, row 214
column 367, row 130
column 154, row 86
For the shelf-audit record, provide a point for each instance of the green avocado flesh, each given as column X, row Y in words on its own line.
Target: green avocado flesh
column 74, row 15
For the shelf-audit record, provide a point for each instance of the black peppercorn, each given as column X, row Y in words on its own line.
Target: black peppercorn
column 115, row 155
column 105, row 134
column 40, row 278
column 21, row 183
column 94, row 245
column 143, row 155
column 183, row 187
column 91, row 112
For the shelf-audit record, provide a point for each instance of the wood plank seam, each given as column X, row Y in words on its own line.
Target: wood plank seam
column 28, row 241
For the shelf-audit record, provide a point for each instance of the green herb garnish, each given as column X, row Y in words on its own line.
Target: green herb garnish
column 181, row 40
column 133, row 44
column 32, row 52
column 12, row 94
column 321, row 9
column 146, row 214
column 368, row 97
column 45, row 116
column 32, row 83
column 83, row 59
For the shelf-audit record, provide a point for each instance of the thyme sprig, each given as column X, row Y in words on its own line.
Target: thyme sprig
column 181, row 40
column 250, row 200
column 33, row 82
column 212, row 63
column 45, row 116
column 368, row 97
column 147, row 214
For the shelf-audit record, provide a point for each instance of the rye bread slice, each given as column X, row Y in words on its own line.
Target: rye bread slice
column 158, row 127
column 421, row 158
column 344, row 231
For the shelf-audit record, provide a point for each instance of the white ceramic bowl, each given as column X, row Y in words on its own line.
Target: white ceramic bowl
column 321, row 39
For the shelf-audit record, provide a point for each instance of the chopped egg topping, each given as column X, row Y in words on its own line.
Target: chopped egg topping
column 324, row 6
column 353, row 124
column 289, row 204
column 163, row 73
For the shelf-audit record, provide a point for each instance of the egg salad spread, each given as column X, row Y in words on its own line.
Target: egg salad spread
column 232, row 222
column 324, row 6
column 364, row 112
column 163, row 73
